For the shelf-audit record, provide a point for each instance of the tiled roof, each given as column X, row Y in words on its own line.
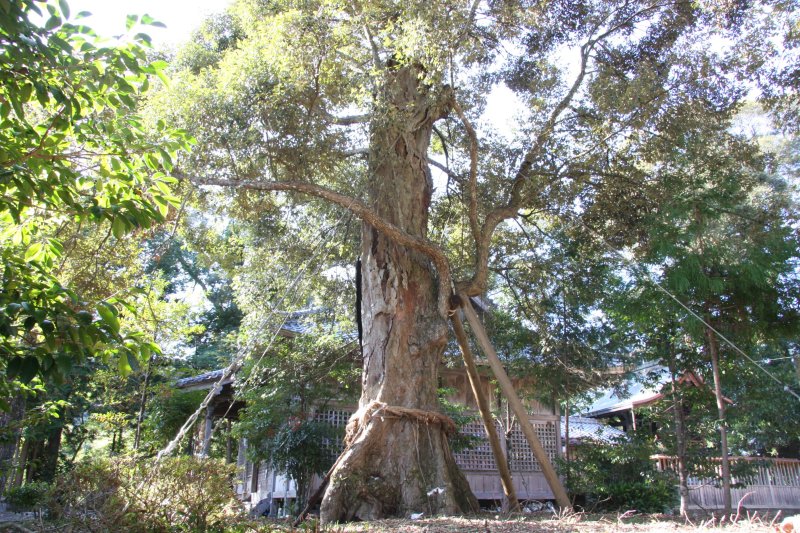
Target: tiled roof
column 642, row 388
column 313, row 320
column 201, row 379
column 582, row 429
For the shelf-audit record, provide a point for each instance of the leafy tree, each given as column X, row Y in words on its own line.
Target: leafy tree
column 340, row 103
column 557, row 284
column 168, row 410
column 620, row 476
column 284, row 387
column 719, row 236
column 73, row 152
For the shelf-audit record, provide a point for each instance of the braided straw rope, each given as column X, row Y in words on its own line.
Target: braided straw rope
column 375, row 408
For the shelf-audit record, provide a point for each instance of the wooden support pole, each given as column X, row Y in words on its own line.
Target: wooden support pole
column 208, row 430
column 486, row 414
column 516, row 405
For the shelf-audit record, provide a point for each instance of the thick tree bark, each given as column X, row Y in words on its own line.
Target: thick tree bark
column 399, row 464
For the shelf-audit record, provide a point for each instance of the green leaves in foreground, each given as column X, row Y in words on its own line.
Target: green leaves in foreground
column 72, row 151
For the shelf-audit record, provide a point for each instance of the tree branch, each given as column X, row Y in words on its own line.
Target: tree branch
column 359, row 209
column 473, row 172
column 445, row 169
column 477, row 284
column 376, row 56
column 347, row 120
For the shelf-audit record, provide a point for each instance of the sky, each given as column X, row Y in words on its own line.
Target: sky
column 180, row 16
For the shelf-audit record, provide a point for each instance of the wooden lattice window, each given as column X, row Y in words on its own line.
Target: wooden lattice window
column 480, row 456
column 337, row 418
column 520, row 455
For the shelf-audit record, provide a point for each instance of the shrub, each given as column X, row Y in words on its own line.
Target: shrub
column 619, row 476
column 28, row 497
column 652, row 496
column 91, row 495
column 177, row 494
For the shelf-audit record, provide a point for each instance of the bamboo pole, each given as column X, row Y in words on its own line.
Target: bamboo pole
column 486, row 415
column 516, row 405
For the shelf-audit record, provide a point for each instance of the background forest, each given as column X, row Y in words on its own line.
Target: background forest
column 640, row 205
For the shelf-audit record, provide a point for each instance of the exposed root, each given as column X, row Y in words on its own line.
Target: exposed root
column 377, row 477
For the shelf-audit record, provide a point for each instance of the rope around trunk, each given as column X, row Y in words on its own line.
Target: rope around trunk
column 375, row 408
column 357, row 423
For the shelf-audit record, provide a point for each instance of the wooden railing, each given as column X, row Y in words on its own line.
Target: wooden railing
column 768, row 483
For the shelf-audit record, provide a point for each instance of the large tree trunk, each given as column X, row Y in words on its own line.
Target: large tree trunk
column 143, row 402
column 400, row 463
column 51, row 453
column 10, row 430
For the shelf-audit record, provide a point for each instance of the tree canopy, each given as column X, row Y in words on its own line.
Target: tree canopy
column 376, row 127
column 614, row 101
column 74, row 155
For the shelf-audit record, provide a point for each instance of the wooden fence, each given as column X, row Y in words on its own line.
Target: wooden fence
column 769, row 483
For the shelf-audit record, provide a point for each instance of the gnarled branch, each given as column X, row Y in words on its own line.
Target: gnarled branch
column 358, row 208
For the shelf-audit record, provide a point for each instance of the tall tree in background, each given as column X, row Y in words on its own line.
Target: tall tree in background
column 340, row 102
column 719, row 236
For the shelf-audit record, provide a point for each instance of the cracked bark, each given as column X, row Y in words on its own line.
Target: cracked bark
column 394, row 463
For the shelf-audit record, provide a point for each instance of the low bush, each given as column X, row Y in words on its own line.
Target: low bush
column 177, row 494
column 28, row 497
column 619, row 476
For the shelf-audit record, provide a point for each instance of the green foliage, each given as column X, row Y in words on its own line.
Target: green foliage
column 721, row 237
column 461, row 415
column 655, row 496
column 619, row 476
column 169, row 409
column 296, row 377
column 28, row 497
column 302, row 448
column 73, row 152
column 177, row 494
column 194, row 261
column 764, row 420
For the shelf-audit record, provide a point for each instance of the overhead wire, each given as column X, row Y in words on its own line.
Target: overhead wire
column 640, row 271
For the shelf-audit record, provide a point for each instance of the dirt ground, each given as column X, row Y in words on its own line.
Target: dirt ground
column 488, row 523
column 577, row 523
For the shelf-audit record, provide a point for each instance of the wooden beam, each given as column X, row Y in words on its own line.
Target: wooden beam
column 208, row 430
column 486, row 414
column 516, row 405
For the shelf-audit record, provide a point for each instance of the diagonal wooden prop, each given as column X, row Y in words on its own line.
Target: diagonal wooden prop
column 486, row 414
column 516, row 405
